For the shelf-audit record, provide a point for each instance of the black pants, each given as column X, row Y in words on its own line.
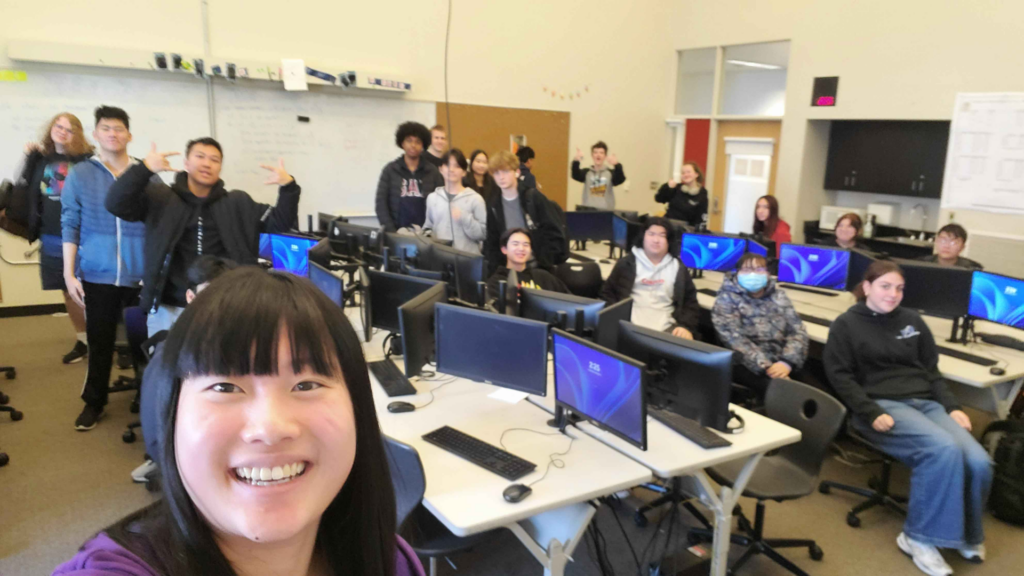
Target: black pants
column 104, row 306
column 759, row 382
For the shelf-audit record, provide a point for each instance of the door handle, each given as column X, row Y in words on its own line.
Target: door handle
column 920, row 186
column 913, row 186
column 846, row 181
column 853, row 181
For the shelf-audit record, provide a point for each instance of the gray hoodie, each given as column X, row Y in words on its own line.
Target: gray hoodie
column 653, row 291
column 470, row 227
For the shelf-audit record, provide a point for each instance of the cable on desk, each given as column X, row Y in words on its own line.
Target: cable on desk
column 974, row 345
column 552, row 460
column 434, row 389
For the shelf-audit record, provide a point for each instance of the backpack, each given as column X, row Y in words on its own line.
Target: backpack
column 556, row 237
column 1005, row 442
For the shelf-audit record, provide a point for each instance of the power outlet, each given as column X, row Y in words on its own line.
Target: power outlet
column 654, row 185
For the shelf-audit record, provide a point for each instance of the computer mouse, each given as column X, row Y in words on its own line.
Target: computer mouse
column 996, row 371
column 516, row 493
column 399, row 407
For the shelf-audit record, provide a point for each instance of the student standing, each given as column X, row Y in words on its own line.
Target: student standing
column 882, row 361
column 479, row 177
column 44, row 171
column 438, row 146
column 600, row 180
column 526, row 157
column 847, row 233
column 664, row 297
column 688, row 199
column 454, row 206
column 767, row 223
column 949, row 243
column 516, row 245
column 405, row 182
column 103, row 254
column 195, row 216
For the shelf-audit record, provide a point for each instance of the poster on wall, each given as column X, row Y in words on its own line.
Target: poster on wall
column 516, row 141
column 985, row 157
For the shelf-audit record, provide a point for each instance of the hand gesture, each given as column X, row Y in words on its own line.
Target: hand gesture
column 156, row 161
column 683, row 333
column 884, row 423
column 779, row 370
column 33, row 147
column 75, row 290
column 277, row 175
column 456, row 213
column 961, row 418
column 672, row 183
column 613, row 160
column 579, row 155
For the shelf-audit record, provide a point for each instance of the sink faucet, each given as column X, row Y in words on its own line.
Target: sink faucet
column 924, row 216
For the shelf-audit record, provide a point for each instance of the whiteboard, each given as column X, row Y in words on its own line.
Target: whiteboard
column 336, row 157
column 985, row 158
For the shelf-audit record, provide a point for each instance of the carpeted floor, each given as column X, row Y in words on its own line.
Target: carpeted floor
column 61, row 486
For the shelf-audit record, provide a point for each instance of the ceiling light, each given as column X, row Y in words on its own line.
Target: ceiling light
column 753, row 64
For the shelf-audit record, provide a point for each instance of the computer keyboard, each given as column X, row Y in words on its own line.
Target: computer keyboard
column 1001, row 340
column 815, row 320
column 966, row 356
column 690, row 429
column 492, row 458
column 708, row 291
column 391, row 378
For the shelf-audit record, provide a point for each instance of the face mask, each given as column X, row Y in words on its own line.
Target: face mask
column 752, row 281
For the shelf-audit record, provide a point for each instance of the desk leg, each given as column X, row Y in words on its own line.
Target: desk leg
column 997, row 399
column 1005, row 394
column 722, row 507
column 562, row 529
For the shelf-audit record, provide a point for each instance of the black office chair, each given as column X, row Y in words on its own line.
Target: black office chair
column 421, row 529
column 10, row 372
column 789, row 474
column 877, row 492
column 582, row 278
column 137, row 331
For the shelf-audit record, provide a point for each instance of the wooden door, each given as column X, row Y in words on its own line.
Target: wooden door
column 739, row 129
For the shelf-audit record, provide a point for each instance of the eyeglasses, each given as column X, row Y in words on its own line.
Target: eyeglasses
column 947, row 240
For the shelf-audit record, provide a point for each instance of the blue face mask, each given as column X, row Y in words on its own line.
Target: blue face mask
column 752, row 281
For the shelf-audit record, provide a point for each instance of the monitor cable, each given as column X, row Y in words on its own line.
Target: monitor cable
column 553, row 458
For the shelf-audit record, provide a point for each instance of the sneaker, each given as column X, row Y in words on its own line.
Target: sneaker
column 140, row 473
column 88, row 418
column 973, row 553
column 77, row 353
column 926, row 557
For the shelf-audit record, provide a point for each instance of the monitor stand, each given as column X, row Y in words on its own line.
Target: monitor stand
column 789, row 286
column 563, row 418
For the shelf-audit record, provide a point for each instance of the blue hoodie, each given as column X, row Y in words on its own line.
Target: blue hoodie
column 110, row 250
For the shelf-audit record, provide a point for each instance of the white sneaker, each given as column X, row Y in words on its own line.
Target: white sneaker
column 973, row 553
column 140, row 473
column 926, row 557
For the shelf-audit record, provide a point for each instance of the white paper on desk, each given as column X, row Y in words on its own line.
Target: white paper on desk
column 506, row 395
column 293, row 72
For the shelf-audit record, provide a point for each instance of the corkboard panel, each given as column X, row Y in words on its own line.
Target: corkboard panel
column 740, row 129
column 489, row 128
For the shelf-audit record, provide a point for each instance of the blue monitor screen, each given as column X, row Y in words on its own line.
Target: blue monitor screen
column 756, row 248
column 265, row 251
column 620, row 232
column 997, row 299
column 813, row 266
column 717, row 253
column 600, row 387
column 291, row 253
column 327, row 282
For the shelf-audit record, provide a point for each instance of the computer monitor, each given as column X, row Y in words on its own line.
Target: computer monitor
column 290, row 252
column 624, row 232
column 502, row 350
column 589, row 225
column 602, row 386
column 416, row 323
column 607, row 332
column 997, row 298
column 816, row 266
column 364, row 303
column 756, row 247
column 859, row 262
column 631, row 215
column 412, row 246
column 388, row 291
column 331, row 285
column 715, row 252
column 936, row 290
column 265, row 253
column 462, row 270
column 366, row 238
column 690, row 378
column 544, row 305
column 323, row 222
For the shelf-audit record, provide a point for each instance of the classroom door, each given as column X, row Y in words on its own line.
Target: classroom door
column 747, row 181
column 737, row 131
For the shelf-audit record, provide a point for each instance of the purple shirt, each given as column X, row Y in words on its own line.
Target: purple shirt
column 101, row 556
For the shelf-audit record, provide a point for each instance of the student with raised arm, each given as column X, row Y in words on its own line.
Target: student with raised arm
column 882, row 361
column 405, row 182
column 44, row 170
column 664, row 297
column 453, row 206
column 195, row 216
column 688, row 199
column 949, row 243
column 767, row 223
column 438, row 146
column 271, row 455
column 516, row 245
column 103, row 253
column 600, row 180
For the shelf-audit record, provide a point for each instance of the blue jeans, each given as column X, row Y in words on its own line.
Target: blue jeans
column 951, row 473
column 162, row 319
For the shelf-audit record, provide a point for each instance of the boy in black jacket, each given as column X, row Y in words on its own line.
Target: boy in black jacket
column 405, row 183
column 516, row 246
column 195, row 216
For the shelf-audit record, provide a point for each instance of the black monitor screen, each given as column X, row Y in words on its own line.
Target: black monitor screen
column 544, row 305
column 589, row 225
column 327, row 282
column 389, row 291
column 859, row 262
column 501, row 350
column 366, row 238
column 934, row 289
column 462, row 270
column 416, row 319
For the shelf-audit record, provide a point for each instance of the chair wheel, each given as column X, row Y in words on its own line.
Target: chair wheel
column 817, row 553
column 134, row 408
column 4, row 398
column 128, row 437
column 11, row 374
column 4, row 459
column 640, row 520
column 824, row 488
column 16, row 415
column 852, row 520
column 152, row 485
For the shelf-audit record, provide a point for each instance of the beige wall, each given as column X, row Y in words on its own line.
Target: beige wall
column 895, row 60
column 501, row 54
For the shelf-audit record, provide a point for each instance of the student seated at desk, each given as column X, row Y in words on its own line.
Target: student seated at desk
column 664, row 297
column 882, row 362
column 516, row 245
column 847, row 233
column 272, row 456
column 768, row 224
column 753, row 317
column 949, row 243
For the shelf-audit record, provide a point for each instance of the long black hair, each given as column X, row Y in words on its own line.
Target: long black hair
column 470, row 180
column 233, row 328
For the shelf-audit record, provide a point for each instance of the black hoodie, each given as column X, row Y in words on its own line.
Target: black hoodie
column 690, row 208
column 891, row 356
column 402, row 195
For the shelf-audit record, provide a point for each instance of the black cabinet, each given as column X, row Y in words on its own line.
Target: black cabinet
column 905, row 158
